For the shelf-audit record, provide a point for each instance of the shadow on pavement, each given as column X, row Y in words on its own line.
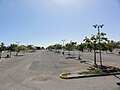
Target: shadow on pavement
column 118, row 83
column 86, row 62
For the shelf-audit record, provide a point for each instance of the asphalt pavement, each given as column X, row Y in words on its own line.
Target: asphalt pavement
column 40, row 71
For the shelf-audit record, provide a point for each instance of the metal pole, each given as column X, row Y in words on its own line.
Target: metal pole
column 99, row 26
column 63, row 47
column 99, row 45
column 95, row 54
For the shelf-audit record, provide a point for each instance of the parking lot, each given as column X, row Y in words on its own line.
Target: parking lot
column 40, row 71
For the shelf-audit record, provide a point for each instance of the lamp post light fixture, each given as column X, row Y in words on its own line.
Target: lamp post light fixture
column 63, row 47
column 18, row 43
column 99, row 34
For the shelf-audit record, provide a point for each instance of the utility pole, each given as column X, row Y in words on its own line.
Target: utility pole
column 63, row 47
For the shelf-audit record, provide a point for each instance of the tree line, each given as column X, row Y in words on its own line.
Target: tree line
column 17, row 48
column 91, row 44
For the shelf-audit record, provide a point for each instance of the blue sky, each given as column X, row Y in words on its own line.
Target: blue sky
column 45, row 22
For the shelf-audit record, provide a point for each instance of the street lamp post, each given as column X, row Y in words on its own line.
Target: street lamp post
column 63, row 47
column 18, row 43
column 99, row 26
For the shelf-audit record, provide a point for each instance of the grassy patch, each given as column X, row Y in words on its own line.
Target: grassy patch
column 92, row 71
column 103, row 69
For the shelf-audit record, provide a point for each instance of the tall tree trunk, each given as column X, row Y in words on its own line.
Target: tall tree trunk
column 17, row 53
column 73, row 53
column 68, row 53
column 79, row 57
column 0, row 54
column 10, row 53
column 95, row 63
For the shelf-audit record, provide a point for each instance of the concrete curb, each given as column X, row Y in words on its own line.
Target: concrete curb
column 85, row 76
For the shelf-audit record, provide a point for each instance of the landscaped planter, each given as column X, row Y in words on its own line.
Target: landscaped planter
column 76, row 75
column 93, row 72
